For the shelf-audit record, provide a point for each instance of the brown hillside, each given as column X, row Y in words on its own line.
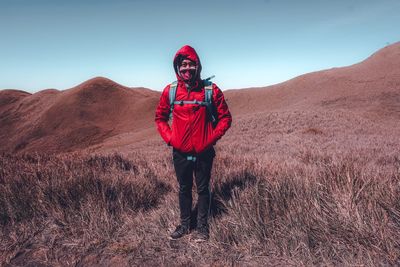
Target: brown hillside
column 361, row 101
column 308, row 175
column 56, row 121
column 9, row 96
column 372, row 86
column 101, row 114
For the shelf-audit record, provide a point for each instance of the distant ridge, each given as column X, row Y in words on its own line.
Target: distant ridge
column 373, row 84
column 87, row 114
column 100, row 112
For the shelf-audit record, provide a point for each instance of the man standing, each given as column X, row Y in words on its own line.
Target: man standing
column 200, row 117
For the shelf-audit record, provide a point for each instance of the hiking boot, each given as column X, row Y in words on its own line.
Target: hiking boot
column 202, row 234
column 180, row 231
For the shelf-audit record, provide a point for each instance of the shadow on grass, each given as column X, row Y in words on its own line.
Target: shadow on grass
column 222, row 193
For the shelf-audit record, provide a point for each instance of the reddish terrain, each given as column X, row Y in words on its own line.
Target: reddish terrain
column 309, row 174
column 101, row 114
column 371, row 86
column 61, row 121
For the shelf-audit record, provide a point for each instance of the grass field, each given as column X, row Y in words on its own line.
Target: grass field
column 289, row 188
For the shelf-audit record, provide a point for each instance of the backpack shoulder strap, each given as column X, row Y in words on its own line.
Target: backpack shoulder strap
column 208, row 86
column 208, row 98
column 172, row 94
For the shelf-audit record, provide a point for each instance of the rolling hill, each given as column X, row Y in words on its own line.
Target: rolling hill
column 58, row 121
column 100, row 114
column 372, row 85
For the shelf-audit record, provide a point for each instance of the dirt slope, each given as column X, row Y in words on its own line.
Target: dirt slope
column 371, row 86
column 101, row 114
column 56, row 121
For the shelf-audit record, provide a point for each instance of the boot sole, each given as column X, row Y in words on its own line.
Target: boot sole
column 171, row 238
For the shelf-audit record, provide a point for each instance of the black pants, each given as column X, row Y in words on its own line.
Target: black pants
column 201, row 168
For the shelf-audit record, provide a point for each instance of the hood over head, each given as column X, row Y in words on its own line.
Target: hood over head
column 187, row 52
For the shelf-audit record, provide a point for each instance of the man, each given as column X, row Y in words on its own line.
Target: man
column 195, row 128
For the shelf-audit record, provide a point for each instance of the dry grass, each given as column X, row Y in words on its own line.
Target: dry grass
column 326, row 198
column 69, row 203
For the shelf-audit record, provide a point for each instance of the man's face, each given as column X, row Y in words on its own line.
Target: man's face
column 188, row 70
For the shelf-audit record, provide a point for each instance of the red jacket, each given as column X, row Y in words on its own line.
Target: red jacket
column 192, row 130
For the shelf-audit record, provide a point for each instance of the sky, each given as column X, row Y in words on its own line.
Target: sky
column 60, row 44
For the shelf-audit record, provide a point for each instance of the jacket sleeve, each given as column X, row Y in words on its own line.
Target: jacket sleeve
column 162, row 116
column 224, row 116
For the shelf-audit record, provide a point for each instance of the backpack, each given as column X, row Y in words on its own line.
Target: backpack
column 208, row 87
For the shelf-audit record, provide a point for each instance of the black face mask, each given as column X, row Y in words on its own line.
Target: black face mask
column 188, row 75
column 194, row 73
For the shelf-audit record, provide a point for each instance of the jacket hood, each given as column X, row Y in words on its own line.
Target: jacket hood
column 186, row 52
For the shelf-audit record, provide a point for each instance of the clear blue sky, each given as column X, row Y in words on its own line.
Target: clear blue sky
column 59, row 44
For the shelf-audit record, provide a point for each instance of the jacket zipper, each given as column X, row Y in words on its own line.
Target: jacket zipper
column 190, row 121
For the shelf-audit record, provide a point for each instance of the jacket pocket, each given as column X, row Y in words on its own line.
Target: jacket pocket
column 209, row 141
